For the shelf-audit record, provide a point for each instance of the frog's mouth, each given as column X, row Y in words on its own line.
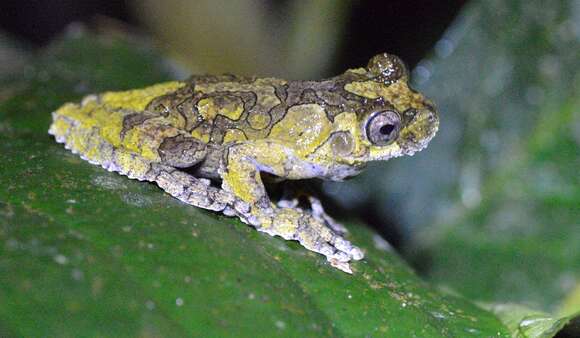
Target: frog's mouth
column 419, row 131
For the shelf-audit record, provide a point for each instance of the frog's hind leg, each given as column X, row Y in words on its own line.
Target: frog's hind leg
column 183, row 151
column 196, row 191
column 90, row 145
column 177, row 151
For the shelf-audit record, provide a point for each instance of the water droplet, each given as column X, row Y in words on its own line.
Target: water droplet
column 533, row 321
column 438, row 315
column 150, row 305
column 472, row 330
column 61, row 259
column 280, row 324
column 179, row 302
column 77, row 275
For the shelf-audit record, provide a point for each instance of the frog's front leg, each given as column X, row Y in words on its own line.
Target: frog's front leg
column 241, row 176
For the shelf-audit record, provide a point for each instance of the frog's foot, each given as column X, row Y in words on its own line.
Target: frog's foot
column 317, row 212
column 312, row 233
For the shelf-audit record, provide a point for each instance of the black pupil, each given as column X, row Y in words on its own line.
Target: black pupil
column 387, row 129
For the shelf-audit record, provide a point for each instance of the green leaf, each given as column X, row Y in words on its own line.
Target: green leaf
column 87, row 252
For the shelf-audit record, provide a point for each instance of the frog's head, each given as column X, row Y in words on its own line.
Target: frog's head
column 394, row 120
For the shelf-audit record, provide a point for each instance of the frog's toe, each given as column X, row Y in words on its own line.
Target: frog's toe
column 342, row 244
column 340, row 256
column 337, row 250
column 318, row 211
column 356, row 253
column 346, row 247
column 327, row 250
column 343, row 266
column 334, row 225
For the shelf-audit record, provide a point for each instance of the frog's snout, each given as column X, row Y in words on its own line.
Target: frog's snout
column 420, row 130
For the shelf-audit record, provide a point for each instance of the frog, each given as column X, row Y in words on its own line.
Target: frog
column 211, row 140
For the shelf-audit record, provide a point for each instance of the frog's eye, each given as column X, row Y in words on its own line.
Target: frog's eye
column 383, row 127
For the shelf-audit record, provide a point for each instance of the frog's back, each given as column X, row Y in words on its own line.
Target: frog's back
column 209, row 109
column 212, row 110
column 227, row 108
column 224, row 109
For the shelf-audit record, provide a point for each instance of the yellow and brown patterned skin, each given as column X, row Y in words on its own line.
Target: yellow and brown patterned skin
column 229, row 129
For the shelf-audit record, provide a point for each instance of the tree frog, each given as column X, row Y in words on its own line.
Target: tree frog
column 210, row 140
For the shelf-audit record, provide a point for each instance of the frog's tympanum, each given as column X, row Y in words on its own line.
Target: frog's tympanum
column 206, row 141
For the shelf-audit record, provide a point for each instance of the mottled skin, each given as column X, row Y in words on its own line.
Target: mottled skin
column 206, row 141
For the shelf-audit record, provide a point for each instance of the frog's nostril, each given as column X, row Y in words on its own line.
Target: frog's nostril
column 432, row 115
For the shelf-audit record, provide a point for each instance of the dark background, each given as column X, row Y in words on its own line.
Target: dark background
column 410, row 27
